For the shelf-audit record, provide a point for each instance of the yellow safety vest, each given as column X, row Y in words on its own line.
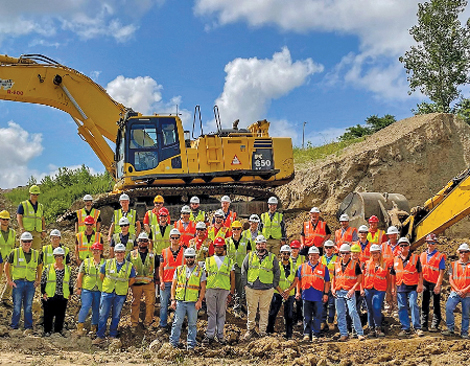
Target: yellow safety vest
column 7, row 246
column 22, row 270
column 220, row 234
column 32, row 221
column 298, row 261
column 131, row 216
column 187, row 289
column 131, row 242
column 48, row 257
column 51, row 281
column 237, row 255
column 285, row 283
column 81, row 215
column 144, row 271
column 201, row 216
column 262, row 270
column 203, row 252
column 160, row 241
column 114, row 280
column 91, row 276
column 331, row 265
column 272, row 229
column 84, row 245
column 218, row 277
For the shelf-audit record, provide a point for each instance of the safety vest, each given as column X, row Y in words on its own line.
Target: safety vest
column 201, row 247
column 330, row 265
column 250, row 235
column 375, row 277
column 221, row 233
column 84, row 245
column 314, row 235
column 81, row 215
column 51, row 281
column 160, row 241
column 131, row 242
column 272, row 229
column 22, row 270
column 365, row 253
column 312, row 278
column 186, row 233
column 187, row 289
column 218, row 277
column 347, row 279
column 114, row 280
column 286, row 282
column 461, row 276
column 131, row 216
column 48, row 257
column 145, row 271
column 260, row 270
column 7, row 246
column 376, row 238
column 169, row 263
column 153, row 218
column 298, row 261
column 408, row 275
column 347, row 237
column 388, row 254
column 201, row 216
column 431, row 269
column 32, row 221
column 231, row 217
column 239, row 254
column 91, row 276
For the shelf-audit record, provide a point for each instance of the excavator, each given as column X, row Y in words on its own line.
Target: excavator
column 154, row 154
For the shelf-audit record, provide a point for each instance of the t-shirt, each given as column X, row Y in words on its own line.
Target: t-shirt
column 403, row 287
column 20, row 210
column 358, row 270
column 312, row 294
column 442, row 263
column 463, row 264
column 5, row 235
column 219, row 260
column 81, row 269
column 237, row 243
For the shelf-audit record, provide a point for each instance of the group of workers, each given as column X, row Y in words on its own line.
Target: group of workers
column 199, row 263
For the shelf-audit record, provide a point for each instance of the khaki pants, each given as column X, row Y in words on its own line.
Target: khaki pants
column 37, row 240
column 137, row 291
column 273, row 246
column 6, row 293
column 261, row 298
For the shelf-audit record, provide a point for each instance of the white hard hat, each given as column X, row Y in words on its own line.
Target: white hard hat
column 26, row 236
column 175, row 231
column 201, row 225
column 392, row 230
column 88, row 197
column 345, row 248
column 143, row 235
column 313, row 250
column 260, row 239
column 403, row 240
column 194, row 199
column 124, row 221
column 329, row 243
column 273, row 201
column 315, row 210
column 464, row 246
column 375, row 248
column 254, row 218
column 119, row 248
column 123, row 197
column 225, row 199
column 363, row 229
column 185, row 209
column 219, row 212
column 190, row 252
column 58, row 251
column 343, row 217
column 286, row 248
column 55, row 232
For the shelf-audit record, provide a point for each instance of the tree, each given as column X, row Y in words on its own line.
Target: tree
column 374, row 123
column 440, row 61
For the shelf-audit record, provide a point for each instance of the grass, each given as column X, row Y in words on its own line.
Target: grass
column 314, row 153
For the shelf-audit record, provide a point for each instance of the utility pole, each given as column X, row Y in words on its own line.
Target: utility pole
column 303, row 136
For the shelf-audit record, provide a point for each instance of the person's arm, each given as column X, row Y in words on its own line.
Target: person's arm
column 244, row 271
column 160, row 271
column 202, row 293
column 98, row 226
column 172, row 294
column 43, row 284
column 138, row 227
column 19, row 218
column 291, row 287
column 8, row 273
column 43, row 234
column 420, row 280
column 79, row 283
column 110, row 232
column 232, row 284
column 77, row 255
column 38, row 274
column 76, row 227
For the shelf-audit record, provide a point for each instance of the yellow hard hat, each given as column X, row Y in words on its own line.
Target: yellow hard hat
column 5, row 215
column 34, row 189
column 158, row 198
column 236, row 224
column 356, row 248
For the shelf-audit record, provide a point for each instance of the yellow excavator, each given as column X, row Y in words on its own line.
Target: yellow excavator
column 153, row 154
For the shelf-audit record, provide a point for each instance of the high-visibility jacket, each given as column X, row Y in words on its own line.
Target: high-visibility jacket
column 347, row 279
column 388, row 254
column 313, row 278
column 460, row 275
column 221, row 233
column 330, row 265
column 365, row 253
column 51, row 281
column 131, row 242
column 231, row 217
column 153, row 218
column 84, row 245
column 131, row 216
column 286, row 282
column 91, row 276
column 251, row 235
column 239, row 254
column 201, row 216
column 169, row 263
column 22, row 270
column 145, row 271
column 7, row 246
column 347, row 237
column 376, row 238
column 115, row 281
column 187, row 233
column 272, row 228
column 160, row 241
column 298, row 261
column 260, row 270
column 32, row 221
column 375, row 277
column 408, row 275
column 218, row 277
column 431, row 269
column 48, row 257
column 202, row 247
column 187, row 289
column 81, row 215
column 314, row 235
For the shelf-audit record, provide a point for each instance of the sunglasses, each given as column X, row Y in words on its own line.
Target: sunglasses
column 345, row 253
column 163, row 215
column 174, row 237
column 403, row 246
column 286, row 253
column 5, row 219
column 119, row 252
column 189, row 257
column 158, row 203
column 201, row 229
column 464, row 252
column 143, row 240
column 123, row 225
column 27, row 241
column 236, row 228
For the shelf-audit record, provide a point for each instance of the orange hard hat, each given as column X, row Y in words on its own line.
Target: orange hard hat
column 97, row 246
column 295, row 244
column 219, row 242
column 89, row 220
column 373, row 218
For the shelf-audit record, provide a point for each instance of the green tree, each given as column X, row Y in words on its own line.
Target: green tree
column 440, row 61
column 374, row 123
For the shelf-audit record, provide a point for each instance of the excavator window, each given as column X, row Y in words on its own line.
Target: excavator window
column 144, row 146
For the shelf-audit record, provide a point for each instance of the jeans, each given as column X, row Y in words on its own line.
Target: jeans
column 23, row 296
column 452, row 302
column 329, row 309
column 428, row 292
column 107, row 302
column 239, row 290
column 276, row 304
column 408, row 301
column 184, row 308
column 90, row 299
column 342, row 303
column 313, row 312
column 164, row 302
column 374, row 299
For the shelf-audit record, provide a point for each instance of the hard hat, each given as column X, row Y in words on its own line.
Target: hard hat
column 201, row 225
column 236, row 224
column 195, row 199
column 124, row 221
column 88, row 197
column 254, row 218
column 464, row 246
column 26, row 236
column 431, row 238
column 375, row 248
column 143, row 236
column 158, row 199
column 219, row 242
column 225, row 199
column 313, row 250
column 295, row 244
column 123, row 197
column 186, row 209
column 5, row 215
column 272, row 201
column 285, row 248
column 315, row 210
column 163, row 211
column 363, row 229
column 190, row 252
column 34, row 189
column 219, row 212
column 260, row 239
column 403, row 240
column 345, row 248
column 356, row 248
column 392, row 230
column 58, row 251
column 343, row 217
column 89, row 220
column 329, row 243
column 175, row 231
column 119, row 248
column 55, row 232
column 373, row 218
column 97, row 246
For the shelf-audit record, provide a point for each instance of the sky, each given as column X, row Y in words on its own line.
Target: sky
column 330, row 63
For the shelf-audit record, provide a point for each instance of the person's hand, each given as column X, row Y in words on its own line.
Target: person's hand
column 437, row 289
column 36, row 283
column 325, row 298
column 461, row 293
column 285, row 295
column 12, row 284
column 43, row 235
column 79, row 291
column 419, row 289
column 350, row 293
column 298, row 296
column 173, row 304
column 363, row 293
column 162, row 286
column 198, row 304
column 229, row 298
column 333, row 292
column 393, row 292
column 44, row 297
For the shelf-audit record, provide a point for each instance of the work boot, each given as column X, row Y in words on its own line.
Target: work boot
column 331, row 326
column 248, row 335
column 80, row 331
column 324, row 327
column 404, row 333
column 343, row 338
column 448, row 333
column 98, row 341
column 94, row 330
column 419, row 332
column 28, row 332
column 434, row 329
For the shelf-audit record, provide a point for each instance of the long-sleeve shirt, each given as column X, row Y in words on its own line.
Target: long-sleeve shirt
column 258, row 285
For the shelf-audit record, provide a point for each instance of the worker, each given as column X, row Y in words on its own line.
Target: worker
column 375, row 236
column 7, row 244
column 363, row 243
column 151, row 217
column 217, row 229
column 197, row 215
column 185, row 226
column 459, row 280
column 160, row 232
column 356, row 255
column 89, row 287
column 346, row 233
column 272, row 227
column 188, row 288
column 220, row 289
column 407, row 283
column 56, row 288
column 30, row 217
column 145, row 262
column 254, row 230
column 287, row 284
column 172, row 257
column 261, row 274
column 328, row 259
column 48, row 250
column 229, row 215
column 297, row 259
column 88, row 210
column 85, row 239
column 376, row 281
column 346, row 280
column 434, row 265
column 202, row 244
column 124, row 237
column 314, row 232
column 117, row 275
column 23, row 273
column 391, row 249
column 124, row 211
column 314, row 280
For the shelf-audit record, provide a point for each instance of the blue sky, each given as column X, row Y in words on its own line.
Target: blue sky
column 331, row 63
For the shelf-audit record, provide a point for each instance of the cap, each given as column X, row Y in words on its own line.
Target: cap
column 89, row 220
column 158, row 199
column 236, row 223
column 119, row 248
column 34, row 189
column 260, row 239
column 225, row 199
column 363, row 229
column 431, row 238
column 163, row 211
column 254, row 218
column 219, row 213
column 315, row 210
column 175, row 231
column 26, row 236
column 195, row 199
column 345, row 248
column 272, row 201
column 201, row 225
column 343, row 217
column 463, row 246
column 392, row 230
column 219, row 242
column 190, row 252
column 403, row 240
column 55, row 232
column 58, row 251
column 143, row 235
column 314, row 250
column 97, row 246
column 5, row 215
column 186, row 209
column 329, row 243
column 373, row 218
column 123, row 197
column 285, row 248
column 124, row 221
column 375, row 248
column 295, row 244
column 356, row 248
column 88, row 197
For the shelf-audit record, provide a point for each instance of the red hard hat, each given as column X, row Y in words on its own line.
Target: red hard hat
column 219, row 242
column 97, row 246
column 295, row 244
column 163, row 211
column 373, row 218
column 89, row 220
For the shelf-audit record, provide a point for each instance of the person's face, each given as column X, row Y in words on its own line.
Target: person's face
column 190, row 261
column 89, row 227
column 55, row 241
column 431, row 246
column 4, row 223
column 345, row 255
column 285, row 256
column 261, row 247
column 158, row 205
column 393, row 238
column 254, row 226
column 344, row 224
column 313, row 258
column 237, row 231
column 314, row 216
column 375, row 255
column 405, row 248
column 373, row 225
column 295, row 252
column 163, row 219
column 185, row 216
column 362, row 235
column 329, row 251
column 201, row 233
column 219, row 220
column 125, row 205
column 33, row 197
column 194, row 206
column 219, row 250
column 355, row 256
column 272, row 207
column 26, row 245
column 143, row 243
column 464, row 255
column 59, row 259
column 96, row 252
column 120, row 256
column 174, row 239
column 125, row 229
column 225, row 205
column 88, row 205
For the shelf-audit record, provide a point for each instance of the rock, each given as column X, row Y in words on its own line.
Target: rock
column 16, row 333
column 169, row 353
column 434, row 350
column 4, row 331
column 322, row 362
column 115, row 346
column 155, row 345
column 146, row 355
column 384, row 357
column 345, row 362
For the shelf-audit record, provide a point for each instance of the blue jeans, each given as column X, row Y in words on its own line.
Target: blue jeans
column 342, row 303
column 451, row 304
column 408, row 302
column 164, row 303
column 90, row 299
column 374, row 301
column 329, row 309
column 313, row 312
column 107, row 302
column 184, row 308
column 23, row 295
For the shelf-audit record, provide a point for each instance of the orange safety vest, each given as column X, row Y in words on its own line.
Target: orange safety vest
column 231, row 217
column 375, row 277
column 347, row 279
column 170, row 264
column 84, row 245
column 312, row 278
column 388, row 255
column 376, row 238
column 314, row 235
column 186, row 234
column 461, row 276
column 431, row 269
column 409, row 275
column 365, row 254
column 347, row 237
column 82, row 215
